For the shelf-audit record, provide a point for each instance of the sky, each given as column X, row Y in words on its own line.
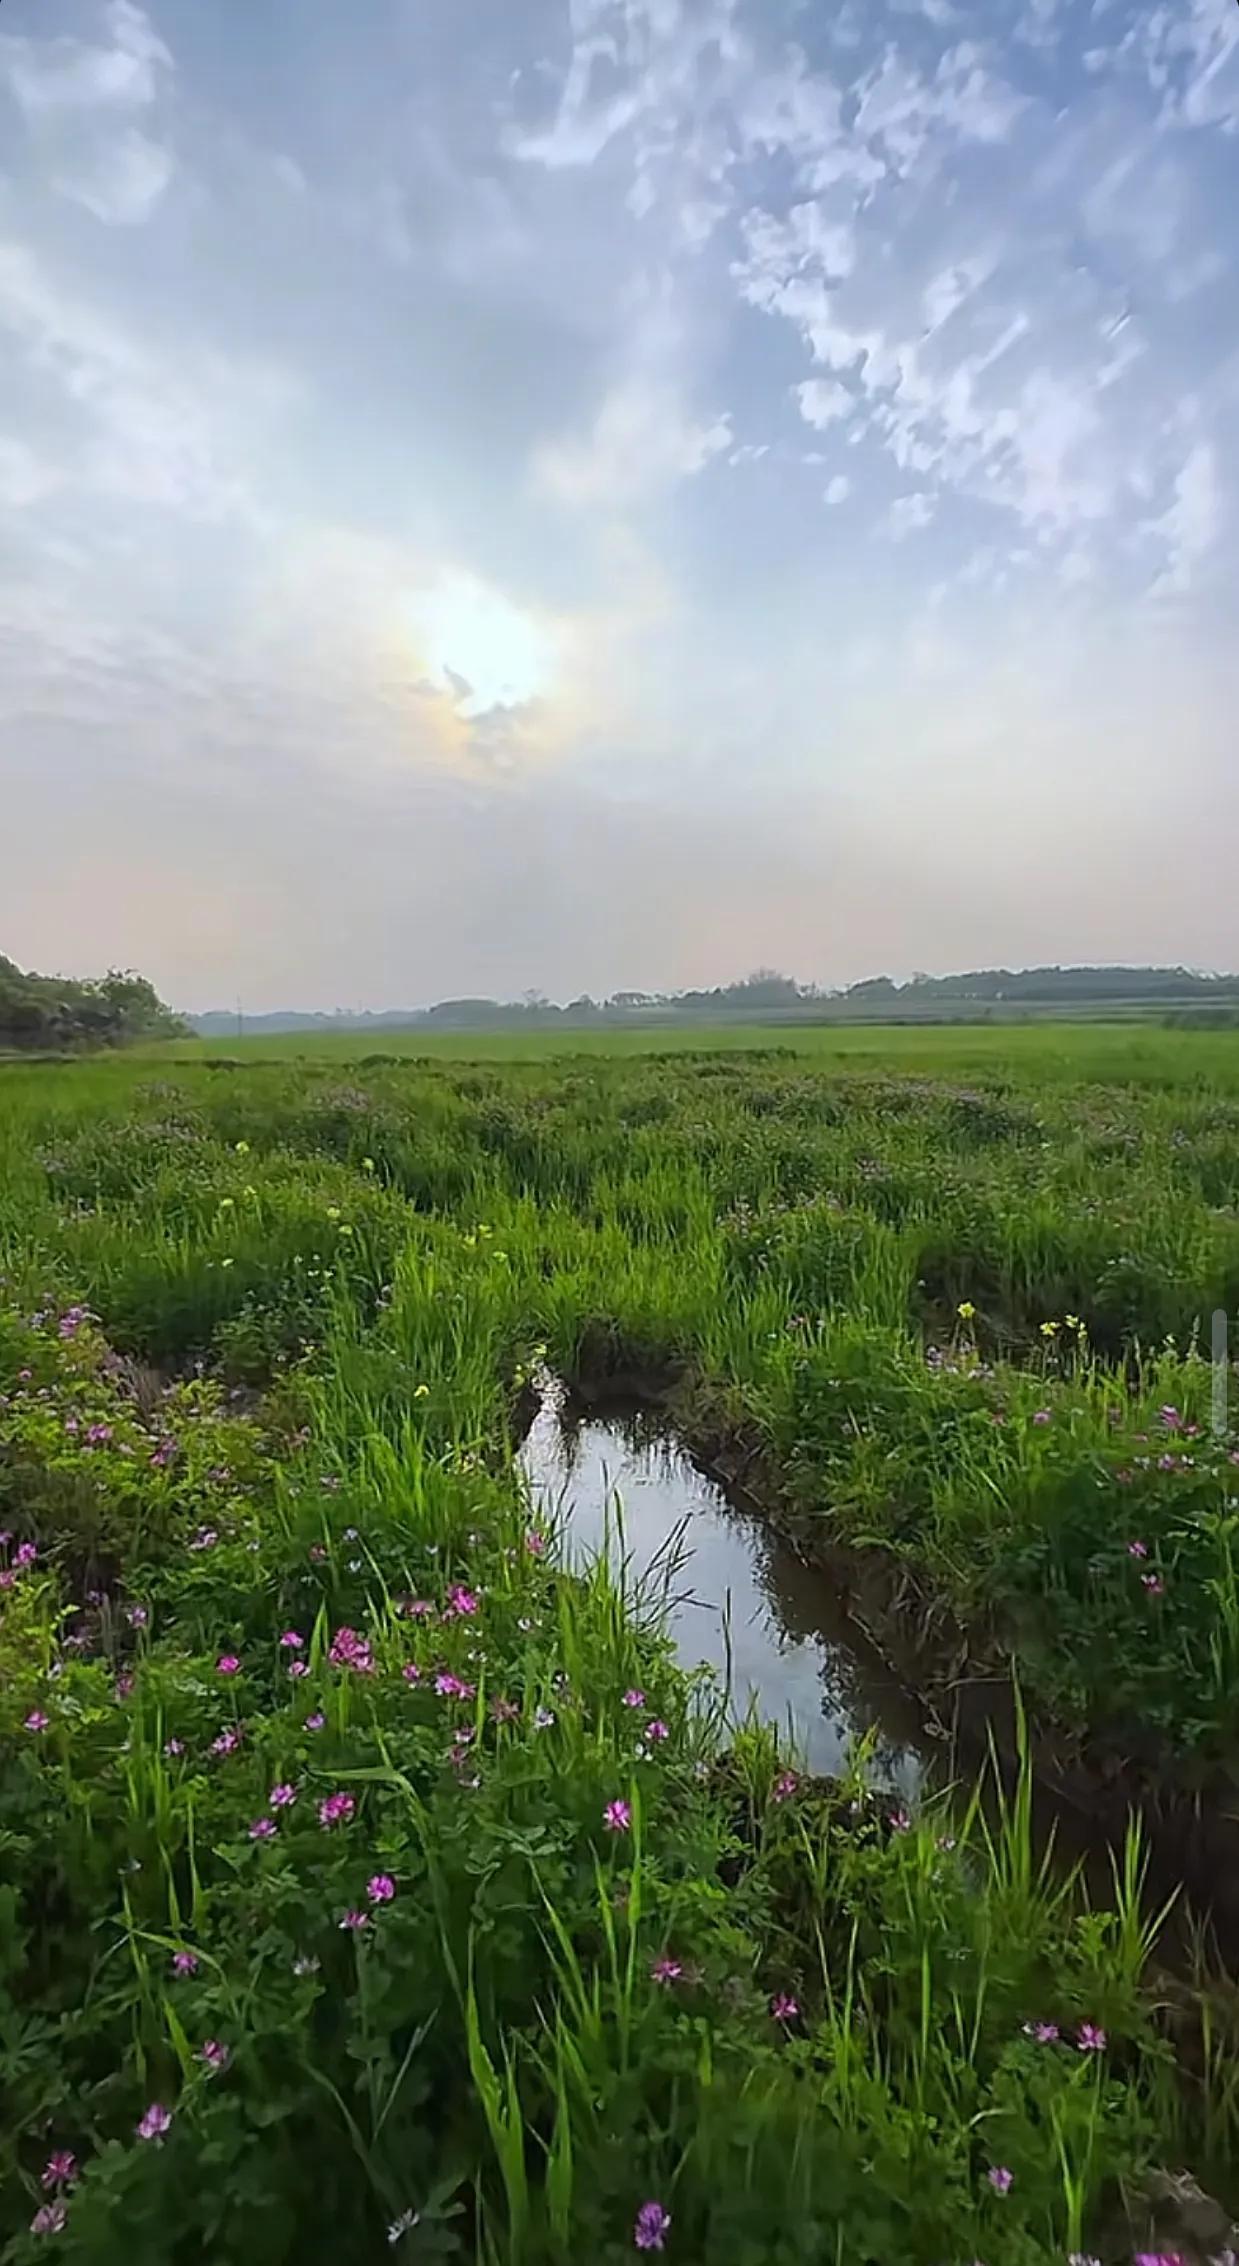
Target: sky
column 578, row 494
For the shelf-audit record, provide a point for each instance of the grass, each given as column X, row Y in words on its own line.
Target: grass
column 330, row 1828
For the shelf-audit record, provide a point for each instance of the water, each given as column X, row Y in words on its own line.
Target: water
column 737, row 1596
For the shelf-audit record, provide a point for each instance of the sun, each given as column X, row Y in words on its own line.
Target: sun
column 480, row 647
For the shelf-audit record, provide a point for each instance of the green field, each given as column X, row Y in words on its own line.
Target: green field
column 373, row 1884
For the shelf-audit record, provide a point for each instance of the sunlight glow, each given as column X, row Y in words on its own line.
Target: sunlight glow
column 483, row 650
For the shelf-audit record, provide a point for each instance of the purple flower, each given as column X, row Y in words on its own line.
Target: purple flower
column 1154, row 1584
column 652, row 2226
column 657, row 1730
column 26, row 1554
column 784, row 1786
column 535, row 1543
column 1041, row 1416
column 336, row 1809
column 666, row 1970
column 37, row 1720
column 184, row 1962
column 205, row 1539
column 617, row 1816
column 380, row 1888
column 543, row 1718
column 1090, row 2039
column 417, row 1608
column 60, row 2170
column 452, row 1687
column 215, row 2055
column 228, row 1664
column 49, row 2219
column 783, row 2008
column 263, row 1829
column 298, row 1668
column 316, row 1722
column 411, row 1672
column 154, row 2122
column 291, row 1641
column 354, row 1920
column 98, row 1435
column 634, row 1698
column 227, row 1742
column 137, row 1616
column 1045, row 2033
column 1137, row 1549
column 282, row 1796
column 349, row 1650
column 899, row 1822
column 1000, row 2179
column 173, row 1747
column 460, row 1600
column 1171, row 1418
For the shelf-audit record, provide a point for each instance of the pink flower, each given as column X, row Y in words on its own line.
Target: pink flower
column 417, row 1608
column 205, row 1539
column 354, row 1920
column 1137, row 1549
column 1045, row 2033
column 154, row 2122
column 228, row 1664
column 1090, row 2039
column 900, row 1822
column 1171, row 1418
column 349, row 1650
column 452, row 1687
column 666, row 1970
column 263, row 1829
column 173, row 1747
column 37, row 1720
column 215, row 2055
column 411, row 1672
column 652, row 2226
column 184, row 1962
column 336, row 1809
column 380, row 1888
column 1041, row 1416
column 316, row 1722
column 460, row 1600
column 1154, row 1584
column 60, row 2170
column 784, row 1786
column 227, row 1742
column 1000, row 2179
column 49, row 2219
column 291, row 1641
column 617, row 1816
column 657, row 1731
column 634, row 1698
column 282, row 1796
column 535, row 1543
column 783, row 2008
column 26, row 1554
column 298, row 1668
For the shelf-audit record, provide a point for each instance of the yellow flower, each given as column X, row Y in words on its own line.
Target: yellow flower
column 346, row 1229
column 227, row 1204
column 1049, row 1329
column 333, row 1211
column 242, row 1148
column 966, row 1310
column 1072, row 1321
column 421, row 1392
column 367, row 1164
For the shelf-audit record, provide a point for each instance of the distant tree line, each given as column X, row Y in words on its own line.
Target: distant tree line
column 768, row 996
column 52, row 1014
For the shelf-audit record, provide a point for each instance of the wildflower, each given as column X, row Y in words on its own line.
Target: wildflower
column 542, row 1718
column 1170, row 1418
column 26, row 1554
column 535, row 1543
column 184, row 1963
column 380, row 1888
column 205, row 1539
column 215, row 2055
column 652, row 2226
column 411, row 1672
column 899, row 1822
column 355, row 1920
column 783, row 2008
column 504, row 1710
column 49, row 2219
column 784, row 1786
column 945, row 1842
column 60, row 2170
column 966, row 1310
column 98, row 1435
column 1137, row 1549
column 137, row 1616
column 282, row 1796
column 1154, row 1584
column 1000, row 2179
column 154, row 2122
column 291, row 1641
column 1045, row 2033
column 349, row 1650
column 303, row 1964
column 417, row 1609
column 1071, row 1321
column 666, row 1970
column 453, row 1687
column 336, row 1809
column 298, row 1668
column 1090, row 2039
column 404, row 2224
column 37, row 1720
column 123, row 1687
column 316, row 1722
column 461, row 1601
column 1041, row 1416
column 227, row 1665
column 617, row 1816
column 227, row 1742
column 263, row 1829
column 1049, row 1329
column 634, row 1698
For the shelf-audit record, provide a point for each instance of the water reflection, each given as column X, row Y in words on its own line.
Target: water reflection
column 737, row 1596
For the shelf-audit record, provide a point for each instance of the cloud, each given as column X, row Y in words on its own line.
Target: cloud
column 80, row 100
column 1191, row 523
column 908, row 513
column 838, row 489
column 823, row 401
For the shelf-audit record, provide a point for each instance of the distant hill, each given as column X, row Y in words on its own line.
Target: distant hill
column 766, row 996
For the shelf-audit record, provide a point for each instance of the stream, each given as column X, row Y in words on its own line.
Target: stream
column 735, row 1595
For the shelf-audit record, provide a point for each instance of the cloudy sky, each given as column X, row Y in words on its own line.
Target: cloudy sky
column 579, row 493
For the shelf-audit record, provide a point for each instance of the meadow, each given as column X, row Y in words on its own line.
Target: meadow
column 372, row 1883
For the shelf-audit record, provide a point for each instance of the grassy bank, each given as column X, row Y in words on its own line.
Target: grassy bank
column 404, row 1875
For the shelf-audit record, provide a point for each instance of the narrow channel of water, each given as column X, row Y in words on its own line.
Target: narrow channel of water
column 737, row 1597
